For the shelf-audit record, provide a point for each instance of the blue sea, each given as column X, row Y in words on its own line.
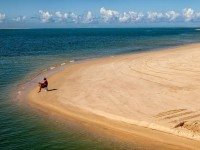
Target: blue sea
column 24, row 52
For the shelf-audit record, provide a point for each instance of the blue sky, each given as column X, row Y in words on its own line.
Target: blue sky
column 98, row 13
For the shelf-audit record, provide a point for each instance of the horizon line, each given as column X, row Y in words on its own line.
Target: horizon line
column 94, row 28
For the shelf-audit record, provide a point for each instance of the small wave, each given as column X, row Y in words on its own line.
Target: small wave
column 71, row 61
column 40, row 72
column 62, row 64
column 52, row 68
column 197, row 29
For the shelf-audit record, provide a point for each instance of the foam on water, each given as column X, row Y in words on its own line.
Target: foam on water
column 71, row 61
column 62, row 64
column 52, row 68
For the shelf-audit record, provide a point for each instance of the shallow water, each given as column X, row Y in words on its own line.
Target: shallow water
column 24, row 52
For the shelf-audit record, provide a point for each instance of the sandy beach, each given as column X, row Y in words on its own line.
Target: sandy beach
column 150, row 97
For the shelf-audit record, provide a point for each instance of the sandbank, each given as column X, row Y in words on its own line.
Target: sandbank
column 150, row 97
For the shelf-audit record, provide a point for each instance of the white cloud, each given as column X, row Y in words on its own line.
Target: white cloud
column 172, row 15
column 197, row 15
column 19, row 18
column 162, row 16
column 188, row 14
column 155, row 16
column 113, row 16
column 61, row 16
column 88, row 17
column 109, row 15
column 73, row 17
column 58, row 14
column 2, row 17
column 125, row 17
column 45, row 16
column 65, row 16
column 130, row 16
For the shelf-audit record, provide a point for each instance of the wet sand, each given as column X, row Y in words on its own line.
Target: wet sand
column 151, row 98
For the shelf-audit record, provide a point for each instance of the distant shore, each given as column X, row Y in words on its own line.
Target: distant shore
column 131, row 95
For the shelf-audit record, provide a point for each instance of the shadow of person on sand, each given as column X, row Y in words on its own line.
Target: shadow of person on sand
column 49, row 90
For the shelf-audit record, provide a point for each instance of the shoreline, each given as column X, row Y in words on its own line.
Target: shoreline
column 52, row 101
column 135, row 135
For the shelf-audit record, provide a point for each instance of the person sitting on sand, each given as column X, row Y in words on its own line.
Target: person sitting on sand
column 43, row 85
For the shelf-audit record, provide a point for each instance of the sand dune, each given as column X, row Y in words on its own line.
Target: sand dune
column 157, row 89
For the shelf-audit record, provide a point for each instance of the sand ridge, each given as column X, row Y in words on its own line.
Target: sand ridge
column 158, row 89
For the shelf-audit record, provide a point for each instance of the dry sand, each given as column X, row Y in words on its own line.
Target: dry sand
column 125, row 94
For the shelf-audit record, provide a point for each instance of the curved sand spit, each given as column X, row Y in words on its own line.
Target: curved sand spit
column 158, row 89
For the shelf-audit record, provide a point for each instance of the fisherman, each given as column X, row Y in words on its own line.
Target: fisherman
column 43, row 85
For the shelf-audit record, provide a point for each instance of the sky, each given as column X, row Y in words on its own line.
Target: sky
column 98, row 13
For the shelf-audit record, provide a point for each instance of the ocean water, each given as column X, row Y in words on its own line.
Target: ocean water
column 24, row 52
